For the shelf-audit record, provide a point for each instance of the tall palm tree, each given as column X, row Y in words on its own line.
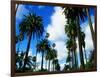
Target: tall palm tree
column 57, row 67
column 83, row 44
column 76, row 13
column 54, row 57
column 91, row 26
column 34, row 61
column 30, row 26
column 46, row 37
column 69, row 45
column 71, row 31
column 54, row 53
column 50, row 55
column 42, row 47
column 54, row 62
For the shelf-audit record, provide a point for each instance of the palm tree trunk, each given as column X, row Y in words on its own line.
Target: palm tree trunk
column 91, row 27
column 72, row 59
column 75, row 65
column 36, row 61
column 46, row 64
column 53, row 67
column 42, row 60
column 49, row 66
column 85, row 55
column 75, row 61
column 27, row 51
column 79, row 42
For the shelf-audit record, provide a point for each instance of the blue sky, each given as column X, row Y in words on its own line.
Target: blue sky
column 39, row 10
column 53, row 21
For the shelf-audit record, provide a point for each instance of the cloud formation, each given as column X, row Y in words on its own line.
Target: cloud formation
column 56, row 28
column 57, row 33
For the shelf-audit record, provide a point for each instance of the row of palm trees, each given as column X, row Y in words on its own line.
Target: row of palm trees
column 32, row 27
column 73, row 30
column 48, row 52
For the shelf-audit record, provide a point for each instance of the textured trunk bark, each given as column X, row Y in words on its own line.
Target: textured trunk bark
column 27, row 51
column 53, row 67
column 80, row 45
column 42, row 60
column 75, row 60
column 72, row 59
column 49, row 66
column 46, row 64
column 36, row 62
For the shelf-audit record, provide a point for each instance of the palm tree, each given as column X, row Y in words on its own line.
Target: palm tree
column 34, row 61
column 42, row 47
column 83, row 44
column 20, row 56
column 91, row 27
column 66, row 67
column 46, row 37
column 68, row 59
column 51, row 55
column 19, row 38
column 77, row 14
column 54, row 53
column 57, row 67
column 69, row 45
column 70, row 30
column 30, row 26
column 54, row 57
column 19, row 60
column 54, row 62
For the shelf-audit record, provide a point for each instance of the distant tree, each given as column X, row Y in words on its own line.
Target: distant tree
column 20, row 62
column 42, row 47
column 66, row 67
column 57, row 67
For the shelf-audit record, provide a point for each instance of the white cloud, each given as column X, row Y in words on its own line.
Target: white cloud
column 61, row 48
column 39, row 58
column 57, row 32
column 88, row 39
column 56, row 28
